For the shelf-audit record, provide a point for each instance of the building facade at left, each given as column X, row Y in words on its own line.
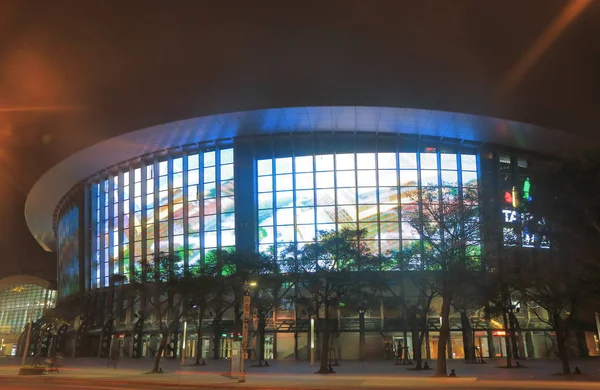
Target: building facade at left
column 23, row 300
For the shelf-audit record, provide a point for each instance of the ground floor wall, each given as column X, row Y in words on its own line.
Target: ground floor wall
column 532, row 344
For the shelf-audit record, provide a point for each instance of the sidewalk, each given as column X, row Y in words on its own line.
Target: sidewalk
column 299, row 375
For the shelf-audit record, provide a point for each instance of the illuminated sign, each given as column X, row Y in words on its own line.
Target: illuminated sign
column 510, row 216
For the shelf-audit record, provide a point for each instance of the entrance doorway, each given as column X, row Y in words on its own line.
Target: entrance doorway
column 268, row 347
column 225, row 347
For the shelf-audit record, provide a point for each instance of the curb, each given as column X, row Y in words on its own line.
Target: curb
column 223, row 386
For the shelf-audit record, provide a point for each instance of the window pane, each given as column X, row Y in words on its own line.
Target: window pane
column 285, row 216
column 365, row 160
column 193, row 161
column 450, row 178
column 209, row 159
column 304, row 181
column 469, row 179
column 285, row 199
column 366, row 178
column 284, row 182
column 227, row 188
column 193, row 225
column 283, row 165
column 163, row 168
column 227, row 238
column 227, row 172
column 324, row 162
column 346, row 213
column 265, row 217
column 178, row 164
column 325, row 180
column 194, row 241
column 326, row 197
column 210, row 190
column 388, row 195
column 265, row 184
column 193, row 177
column 227, row 204
column 304, row 164
column 448, row 161
column 429, row 177
column 344, row 162
column 210, row 222
column 346, row 178
column 305, row 198
column 265, row 201
column 209, row 174
column 469, row 162
column 325, row 214
column 285, row 234
column 387, row 178
column 264, row 167
column 226, row 156
column 409, row 178
column 386, row 160
column 409, row 195
column 306, row 232
column 429, row 161
column 228, row 221
column 408, row 160
column 265, row 235
column 210, row 240
column 304, row 215
column 367, row 195
column 346, row 195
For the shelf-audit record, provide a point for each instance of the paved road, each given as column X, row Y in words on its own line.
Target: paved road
column 25, row 384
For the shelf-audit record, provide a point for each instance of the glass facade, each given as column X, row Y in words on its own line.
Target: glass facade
column 182, row 205
column 182, row 202
column 517, row 186
column 68, row 252
column 20, row 303
column 301, row 195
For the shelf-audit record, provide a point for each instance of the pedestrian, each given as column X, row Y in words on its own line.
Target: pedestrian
column 113, row 357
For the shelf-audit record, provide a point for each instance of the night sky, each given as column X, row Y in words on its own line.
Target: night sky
column 75, row 72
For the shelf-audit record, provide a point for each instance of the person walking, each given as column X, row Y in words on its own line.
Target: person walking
column 113, row 357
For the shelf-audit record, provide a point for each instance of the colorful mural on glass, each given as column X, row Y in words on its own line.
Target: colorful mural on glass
column 300, row 196
column 68, row 253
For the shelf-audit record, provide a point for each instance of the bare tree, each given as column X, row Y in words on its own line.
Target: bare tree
column 329, row 269
column 449, row 227
column 267, row 292
column 163, row 284
column 206, row 288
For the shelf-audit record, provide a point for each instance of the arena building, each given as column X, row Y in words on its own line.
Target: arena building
column 262, row 179
column 23, row 299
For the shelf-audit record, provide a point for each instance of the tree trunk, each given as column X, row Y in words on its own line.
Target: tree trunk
column 468, row 342
column 324, row 369
column 200, row 318
column 161, row 348
column 361, row 336
column 507, row 339
column 440, row 368
column 216, row 336
column 262, row 324
column 417, row 339
column 561, row 343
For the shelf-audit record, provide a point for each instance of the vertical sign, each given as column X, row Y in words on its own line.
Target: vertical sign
column 242, row 377
column 245, row 326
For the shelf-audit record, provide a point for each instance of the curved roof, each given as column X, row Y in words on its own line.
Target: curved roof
column 22, row 279
column 55, row 183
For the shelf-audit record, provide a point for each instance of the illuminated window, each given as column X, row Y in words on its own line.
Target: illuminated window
column 306, row 194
